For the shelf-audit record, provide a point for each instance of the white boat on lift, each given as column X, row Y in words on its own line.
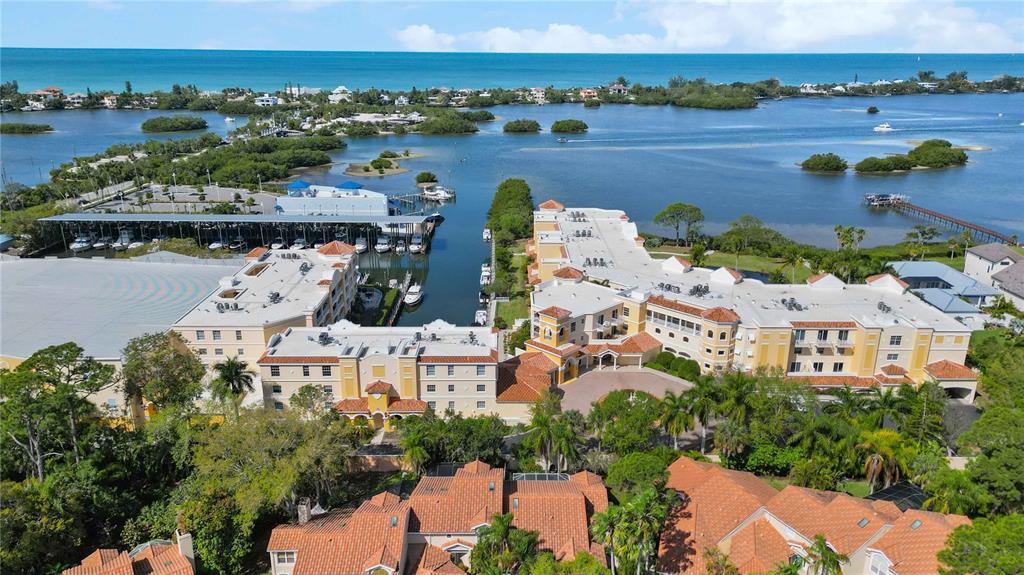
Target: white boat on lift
column 103, row 243
column 82, row 243
column 135, row 245
column 487, row 234
column 361, row 245
column 383, row 245
column 278, row 244
column 414, row 295
column 480, row 318
column 438, row 193
column 400, row 247
column 485, row 277
column 416, row 245
column 883, row 127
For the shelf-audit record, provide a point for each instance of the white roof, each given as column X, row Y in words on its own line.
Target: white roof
column 627, row 265
column 346, row 339
column 279, row 286
column 99, row 304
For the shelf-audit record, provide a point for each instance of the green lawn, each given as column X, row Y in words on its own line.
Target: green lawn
column 747, row 262
column 856, row 488
column 518, row 305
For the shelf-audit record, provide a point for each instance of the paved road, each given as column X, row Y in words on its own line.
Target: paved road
column 594, row 385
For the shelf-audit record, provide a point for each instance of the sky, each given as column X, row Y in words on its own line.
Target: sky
column 625, row 26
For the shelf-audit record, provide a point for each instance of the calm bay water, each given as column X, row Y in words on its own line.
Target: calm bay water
column 108, row 69
column 641, row 158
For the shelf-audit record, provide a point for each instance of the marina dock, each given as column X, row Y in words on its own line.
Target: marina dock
column 902, row 204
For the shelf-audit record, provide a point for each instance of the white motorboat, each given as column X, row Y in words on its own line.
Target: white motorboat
column 487, row 234
column 383, row 245
column 480, row 318
column 485, row 277
column 216, row 246
column 392, row 283
column 438, row 193
column 277, row 244
column 124, row 239
column 416, row 245
column 485, row 267
column 883, row 127
column 400, row 247
column 102, row 243
column 229, row 119
column 237, row 244
column 134, row 245
column 82, row 243
column 360, row 245
column 299, row 244
column 414, row 295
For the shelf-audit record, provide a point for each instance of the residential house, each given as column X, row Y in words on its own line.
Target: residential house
column 946, row 289
column 157, row 557
column 267, row 100
column 402, row 101
column 588, row 93
column 110, row 101
column 618, row 90
column 758, row 527
column 75, row 99
column 1000, row 267
column 434, row 530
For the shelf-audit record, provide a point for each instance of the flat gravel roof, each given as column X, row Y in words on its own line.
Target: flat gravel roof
column 233, row 218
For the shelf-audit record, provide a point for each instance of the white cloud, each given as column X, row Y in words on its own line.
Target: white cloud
column 747, row 26
column 423, row 38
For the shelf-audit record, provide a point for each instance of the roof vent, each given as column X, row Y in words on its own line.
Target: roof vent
column 863, row 522
column 915, row 524
column 394, row 521
column 515, row 503
column 490, row 486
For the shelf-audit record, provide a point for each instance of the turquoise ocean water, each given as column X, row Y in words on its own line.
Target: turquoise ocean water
column 78, row 69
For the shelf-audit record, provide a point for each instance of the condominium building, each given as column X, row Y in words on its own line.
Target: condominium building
column 382, row 374
column 274, row 291
column 759, row 527
column 600, row 299
column 433, row 531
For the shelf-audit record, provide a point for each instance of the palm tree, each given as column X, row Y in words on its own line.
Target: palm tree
column 882, row 456
column 233, row 381
column 703, row 401
column 811, row 432
column 791, row 258
column 848, row 405
column 676, row 418
column 737, row 395
column 883, row 404
column 952, row 491
column 645, row 516
column 823, row 559
column 731, row 438
column 414, row 443
column 566, row 444
column 503, row 546
column 542, row 436
column 605, row 526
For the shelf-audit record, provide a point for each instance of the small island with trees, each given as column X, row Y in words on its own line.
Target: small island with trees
column 928, row 154
column 174, row 124
column 385, row 164
column 569, row 126
column 825, row 163
column 23, row 128
column 521, row 126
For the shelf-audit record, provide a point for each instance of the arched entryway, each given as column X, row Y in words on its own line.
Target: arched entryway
column 608, row 359
column 378, row 420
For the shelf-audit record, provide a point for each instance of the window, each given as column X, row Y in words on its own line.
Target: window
column 451, row 405
column 286, row 557
column 672, row 334
column 657, row 330
column 240, row 351
column 329, row 389
column 721, row 352
column 481, row 370
column 939, row 339
column 432, row 405
column 799, row 335
column 837, row 367
column 305, row 371
column 275, row 371
column 794, row 366
column 451, row 389
column 481, row 404
column 879, row 565
column 615, row 314
column 822, row 334
column 625, row 312
column 325, row 370
column 818, row 366
column 200, row 335
column 216, row 335
column 218, row 351
column 711, row 334
column 451, row 371
column 481, row 387
column 238, row 335
column 723, row 335
column 892, row 357
column 377, row 371
column 431, row 388
column 431, row 370
column 844, row 335
column 600, row 319
column 572, row 326
column 707, row 350
column 112, row 404
column 275, row 389
column 202, row 351
column 278, row 406
column 895, row 339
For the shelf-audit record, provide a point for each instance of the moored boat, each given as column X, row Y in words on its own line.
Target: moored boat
column 414, row 295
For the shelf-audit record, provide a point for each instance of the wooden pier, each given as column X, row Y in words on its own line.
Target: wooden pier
column 903, row 204
column 400, row 301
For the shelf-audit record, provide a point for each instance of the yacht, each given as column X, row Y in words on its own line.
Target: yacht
column 883, row 127
column 400, row 247
column 216, row 246
column 416, row 245
column 563, row 140
column 438, row 193
column 485, row 277
column 480, row 318
column 360, row 245
column 383, row 245
column 237, row 244
column 123, row 241
column 278, row 244
column 82, row 243
column 435, row 218
column 229, row 120
column 299, row 244
column 103, row 243
column 487, row 234
column 414, row 295
column 135, row 245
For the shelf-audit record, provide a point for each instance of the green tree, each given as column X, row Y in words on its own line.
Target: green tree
column 824, row 559
column 636, row 472
column 161, row 368
column 731, row 439
column 717, row 563
column 703, row 401
column 29, row 417
column 953, row 491
column 605, row 528
column 679, row 214
column 990, row 546
column 310, row 400
column 997, row 441
column 735, row 397
column 824, row 163
column 501, row 546
column 676, row 418
column 233, row 381
column 885, row 456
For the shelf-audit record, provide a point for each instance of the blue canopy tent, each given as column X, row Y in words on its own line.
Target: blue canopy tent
column 295, row 187
column 350, row 185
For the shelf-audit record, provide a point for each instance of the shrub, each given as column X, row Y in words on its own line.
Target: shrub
column 173, row 124
column 654, row 242
column 872, row 110
column 592, row 103
column 425, row 177
column 636, row 472
column 686, row 368
column 569, row 126
column 888, row 164
column 665, row 358
column 824, row 163
column 522, row 126
column 478, row 116
column 19, row 128
column 388, row 154
column 358, row 129
column 769, row 459
column 447, row 124
column 380, row 164
column 937, row 154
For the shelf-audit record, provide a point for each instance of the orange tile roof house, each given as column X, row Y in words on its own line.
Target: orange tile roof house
column 434, row 530
column 153, row 558
column 759, row 527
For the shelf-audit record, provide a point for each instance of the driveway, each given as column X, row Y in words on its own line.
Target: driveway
column 594, row 385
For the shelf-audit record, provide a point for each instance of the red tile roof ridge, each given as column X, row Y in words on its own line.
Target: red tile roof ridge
column 947, row 369
column 336, row 248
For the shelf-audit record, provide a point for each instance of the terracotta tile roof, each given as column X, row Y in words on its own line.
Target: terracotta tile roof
column 893, row 369
column 457, row 504
column 324, row 282
column 256, row 252
column 296, row 359
column 551, row 205
column 407, row 406
column 352, row 406
column 817, row 277
column 638, row 343
column 337, row 248
column 156, row 558
column 758, row 548
column 946, row 369
column 823, row 324
column 913, row 550
column 426, row 559
column 381, row 387
column 674, row 305
column 876, row 277
column 563, row 351
column 568, row 273
column 735, row 274
column 721, row 315
column 524, row 378
column 846, row 522
column 834, row 380
column 491, row 358
column 340, row 265
column 555, row 312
